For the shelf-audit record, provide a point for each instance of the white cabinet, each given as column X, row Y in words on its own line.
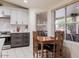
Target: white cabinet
column 19, row 16
column 25, row 17
column 1, row 10
column 13, row 18
column 5, row 11
column 16, row 17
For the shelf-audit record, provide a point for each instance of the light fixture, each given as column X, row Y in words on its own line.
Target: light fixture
column 25, row 1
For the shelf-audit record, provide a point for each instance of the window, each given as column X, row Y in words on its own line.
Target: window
column 69, row 22
column 59, row 22
column 72, row 22
column 78, row 24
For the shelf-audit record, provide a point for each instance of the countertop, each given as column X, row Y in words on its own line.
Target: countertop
column 8, row 35
column 3, row 35
column 20, row 32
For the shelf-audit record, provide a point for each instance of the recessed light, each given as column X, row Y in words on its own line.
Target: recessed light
column 25, row 1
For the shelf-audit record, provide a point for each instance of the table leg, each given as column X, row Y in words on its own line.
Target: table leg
column 53, row 53
column 41, row 50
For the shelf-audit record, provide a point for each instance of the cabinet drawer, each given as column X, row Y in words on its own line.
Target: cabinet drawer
column 20, row 39
column 16, row 35
column 16, row 40
column 16, row 44
column 26, row 43
column 26, row 38
column 26, row 34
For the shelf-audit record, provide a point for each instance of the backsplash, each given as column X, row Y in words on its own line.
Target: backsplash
column 4, row 24
column 23, row 28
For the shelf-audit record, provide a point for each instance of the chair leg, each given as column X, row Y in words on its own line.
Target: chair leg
column 46, row 54
column 33, row 55
column 37, row 54
column 54, row 51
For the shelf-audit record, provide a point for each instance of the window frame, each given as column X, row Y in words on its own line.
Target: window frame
column 65, row 17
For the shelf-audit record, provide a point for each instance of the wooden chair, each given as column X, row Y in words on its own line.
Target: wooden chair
column 59, row 37
column 57, row 48
column 36, row 45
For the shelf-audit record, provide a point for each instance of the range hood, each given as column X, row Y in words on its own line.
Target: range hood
column 4, row 16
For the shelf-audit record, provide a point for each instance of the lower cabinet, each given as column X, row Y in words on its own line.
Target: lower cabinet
column 20, row 39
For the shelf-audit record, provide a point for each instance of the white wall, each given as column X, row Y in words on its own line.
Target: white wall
column 32, row 26
column 71, row 49
column 50, row 24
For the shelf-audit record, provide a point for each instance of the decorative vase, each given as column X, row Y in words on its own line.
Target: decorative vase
column 18, row 29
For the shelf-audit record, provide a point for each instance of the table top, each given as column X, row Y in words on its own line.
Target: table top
column 45, row 40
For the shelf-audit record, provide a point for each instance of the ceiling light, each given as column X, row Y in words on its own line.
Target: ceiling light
column 25, row 1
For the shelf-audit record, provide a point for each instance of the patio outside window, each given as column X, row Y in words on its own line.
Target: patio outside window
column 71, row 24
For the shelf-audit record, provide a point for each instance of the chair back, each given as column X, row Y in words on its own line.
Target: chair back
column 59, row 37
column 34, row 40
column 2, row 40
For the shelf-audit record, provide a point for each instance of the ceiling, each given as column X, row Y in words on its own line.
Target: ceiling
column 43, row 4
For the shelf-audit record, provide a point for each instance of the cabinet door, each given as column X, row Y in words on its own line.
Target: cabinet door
column 13, row 17
column 1, row 10
column 7, row 11
column 25, row 17
column 26, row 39
column 16, row 40
column 19, row 17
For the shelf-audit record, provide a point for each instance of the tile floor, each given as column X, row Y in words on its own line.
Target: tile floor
column 22, row 52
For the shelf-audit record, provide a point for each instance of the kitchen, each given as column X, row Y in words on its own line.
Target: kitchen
column 14, row 25
column 23, row 21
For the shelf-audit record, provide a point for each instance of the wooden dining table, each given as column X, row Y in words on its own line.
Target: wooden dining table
column 45, row 40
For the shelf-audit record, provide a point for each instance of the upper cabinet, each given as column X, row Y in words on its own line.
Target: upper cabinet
column 5, row 11
column 25, row 17
column 13, row 18
column 19, row 17
column 41, row 22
